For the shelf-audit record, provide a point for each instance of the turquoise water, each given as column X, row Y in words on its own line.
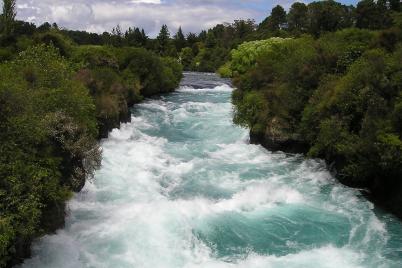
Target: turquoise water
column 180, row 186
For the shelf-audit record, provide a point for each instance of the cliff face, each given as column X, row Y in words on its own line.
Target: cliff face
column 278, row 138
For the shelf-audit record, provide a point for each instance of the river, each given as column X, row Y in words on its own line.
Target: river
column 180, row 186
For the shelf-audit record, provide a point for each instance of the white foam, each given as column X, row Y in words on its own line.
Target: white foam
column 220, row 88
column 241, row 152
column 260, row 195
column 325, row 257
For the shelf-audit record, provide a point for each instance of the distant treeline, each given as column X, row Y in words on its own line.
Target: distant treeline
column 209, row 49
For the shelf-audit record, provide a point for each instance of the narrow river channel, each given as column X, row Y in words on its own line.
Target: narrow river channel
column 180, row 186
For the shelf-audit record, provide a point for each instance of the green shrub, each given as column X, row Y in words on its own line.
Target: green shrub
column 246, row 55
column 56, row 39
column 95, row 56
column 6, row 53
column 250, row 109
column 225, row 70
column 186, row 57
column 156, row 75
column 47, row 129
column 172, row 74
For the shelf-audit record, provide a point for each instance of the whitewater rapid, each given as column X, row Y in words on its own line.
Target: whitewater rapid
column 180, row 186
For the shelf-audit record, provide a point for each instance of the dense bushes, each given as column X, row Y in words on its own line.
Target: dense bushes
column 119, row 77
column 99, row 72
column 56, row 39
column 245, row 56
column 362, row 109
column 155, row 74
column 337, row 97
column 47, row 129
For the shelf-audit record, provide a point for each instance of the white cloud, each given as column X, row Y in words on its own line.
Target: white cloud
column 146, row 1
column 103, row 15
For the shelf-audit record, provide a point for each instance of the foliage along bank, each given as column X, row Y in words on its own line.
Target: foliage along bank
column 336, row 97
column 56, row 100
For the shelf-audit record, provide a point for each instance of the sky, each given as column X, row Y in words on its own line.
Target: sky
column 102, row 15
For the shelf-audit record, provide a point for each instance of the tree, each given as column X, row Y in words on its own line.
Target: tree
column 22, row 27
column 8, row 17
column 277, row 19
column 179, row 40
column 328, row 16
column 186, row 57
column 202, row 35
column 210, row 41
column 135, row 37
column 117, row 36
column 372, row 15
column 242, row 28
column 297, row 17
column 395, row 5
column 163, row 40
column 129, row 36
column 191, row 39
column 44, row 27
column 106, row 38
column 138, row 37
column 117, row 30
column 144, row 37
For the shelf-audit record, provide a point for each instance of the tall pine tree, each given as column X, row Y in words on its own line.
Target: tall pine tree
column 179, row 40
column 8, row 17
column 163, row 40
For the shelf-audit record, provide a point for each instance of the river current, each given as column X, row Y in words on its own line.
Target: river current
column 180, row 187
